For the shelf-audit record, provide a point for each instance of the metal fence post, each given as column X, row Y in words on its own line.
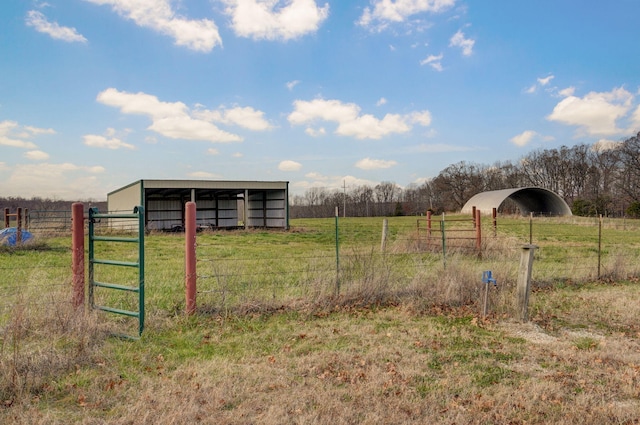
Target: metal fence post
column 190, row 257
column 77, row 253
column 524, row 281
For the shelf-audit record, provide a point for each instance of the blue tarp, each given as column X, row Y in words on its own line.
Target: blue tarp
column 9, row 236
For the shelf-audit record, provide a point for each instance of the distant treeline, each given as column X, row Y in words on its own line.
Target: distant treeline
column 603, row 178
column 45, row 204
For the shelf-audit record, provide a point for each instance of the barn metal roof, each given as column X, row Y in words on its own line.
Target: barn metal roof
column 529, row 199
column 207, row 184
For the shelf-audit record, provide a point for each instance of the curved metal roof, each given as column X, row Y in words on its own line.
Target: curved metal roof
column 529, row 199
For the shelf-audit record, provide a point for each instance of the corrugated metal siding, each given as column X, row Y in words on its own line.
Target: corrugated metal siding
column 164, row 213
column 123, row 200
column 267, row 209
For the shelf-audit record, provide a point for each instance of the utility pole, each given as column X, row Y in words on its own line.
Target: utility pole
column 344, row 198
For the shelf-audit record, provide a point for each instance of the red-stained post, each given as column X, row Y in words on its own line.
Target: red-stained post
column 478, row 231
column 473, row 216
column 190, row 257
column 77, row 252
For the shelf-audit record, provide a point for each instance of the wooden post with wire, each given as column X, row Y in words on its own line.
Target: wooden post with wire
column 77, row 253
column 524, row 281
column 190, row 257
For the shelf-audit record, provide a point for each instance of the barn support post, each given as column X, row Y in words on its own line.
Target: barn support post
column 77, row 253
column 524, row 281
column 19, row 226
column 190, row 257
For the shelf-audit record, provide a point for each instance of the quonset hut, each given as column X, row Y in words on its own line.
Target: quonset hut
column 220, row 204
column 534, row 200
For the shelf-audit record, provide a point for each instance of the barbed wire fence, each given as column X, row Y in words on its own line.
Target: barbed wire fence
column 323, row 263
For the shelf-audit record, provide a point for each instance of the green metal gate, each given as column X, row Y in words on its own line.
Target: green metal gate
column 138, row 217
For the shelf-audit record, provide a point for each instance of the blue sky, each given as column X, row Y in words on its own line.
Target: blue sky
column 95, row 94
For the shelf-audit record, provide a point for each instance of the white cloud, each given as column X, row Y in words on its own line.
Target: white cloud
column 540, row 82
column 433, row 61
column 289, row 166
column 212, row 151
column 313, row 132
column 291, row 84
column 9, row 138
column 199, row 35
column 422, row 117
column 351, row 122
column 569, row 91
column 314, row 179
column 237, row 155
column 204, row 175
column 275, row 19
column 64, row 181
column 388, row 11
column 96, row 141
column 523, row 138
column 381, row 101
column 375, row 164
column 605, row 145
column 246, row 117
column 595, row 113
column 635, row 120
column 545, row 80
column 466, row 44
column 171, row 120
column 36, row 155
column 39, row 22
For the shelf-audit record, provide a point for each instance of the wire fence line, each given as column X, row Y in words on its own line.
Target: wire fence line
column 243, row 269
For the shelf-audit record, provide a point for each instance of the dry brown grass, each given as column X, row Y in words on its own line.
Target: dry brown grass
column 577, row 362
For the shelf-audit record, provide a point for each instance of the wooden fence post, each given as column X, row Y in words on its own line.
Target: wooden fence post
column 524, row 281
column 190, row 257
column 494, row 214
column 478, row 231
column 77, row 253
column 385, row 231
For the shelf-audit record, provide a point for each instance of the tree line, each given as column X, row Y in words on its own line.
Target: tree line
column 593, row 179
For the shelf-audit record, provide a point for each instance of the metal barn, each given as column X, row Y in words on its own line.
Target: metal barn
column 220, row 204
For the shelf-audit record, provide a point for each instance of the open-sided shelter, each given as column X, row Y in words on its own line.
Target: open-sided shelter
column 534, row 200
column 219, row 204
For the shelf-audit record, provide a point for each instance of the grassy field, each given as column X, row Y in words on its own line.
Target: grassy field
column 288, row 332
